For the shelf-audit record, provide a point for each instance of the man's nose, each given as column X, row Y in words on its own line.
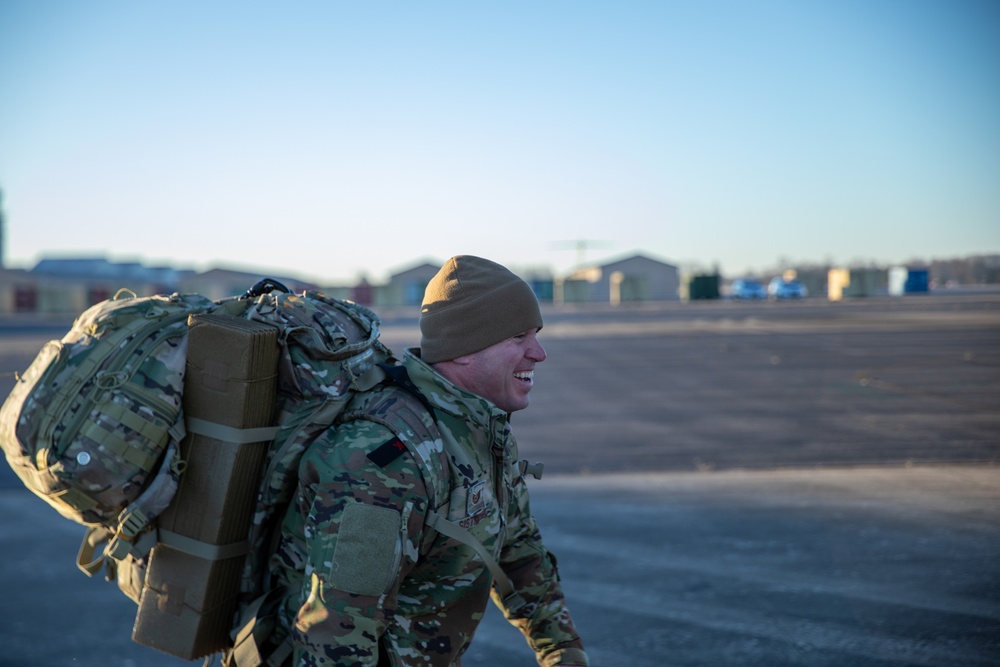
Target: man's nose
column 536, row 352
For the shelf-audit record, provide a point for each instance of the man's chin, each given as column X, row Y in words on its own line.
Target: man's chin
column 519, row 406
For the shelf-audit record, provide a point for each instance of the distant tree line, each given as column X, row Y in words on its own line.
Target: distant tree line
column 977, row 270
column 972, row 270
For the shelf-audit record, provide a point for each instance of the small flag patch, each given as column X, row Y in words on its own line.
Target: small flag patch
column 387, row 453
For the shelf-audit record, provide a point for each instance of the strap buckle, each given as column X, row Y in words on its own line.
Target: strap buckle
column 534, row 469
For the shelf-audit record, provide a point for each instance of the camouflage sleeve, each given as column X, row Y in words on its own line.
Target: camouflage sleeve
column 359, row 526
column 544, row 619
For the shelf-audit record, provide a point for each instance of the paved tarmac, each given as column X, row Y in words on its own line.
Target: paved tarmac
column 774, row 484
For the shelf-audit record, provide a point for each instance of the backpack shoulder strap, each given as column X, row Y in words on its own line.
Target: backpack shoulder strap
column 511, row 598
column 422, row 427
column 399, row 406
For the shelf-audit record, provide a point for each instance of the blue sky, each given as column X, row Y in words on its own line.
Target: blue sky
column 329, row 139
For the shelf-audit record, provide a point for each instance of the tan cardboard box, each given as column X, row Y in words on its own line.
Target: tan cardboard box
column 188, row 603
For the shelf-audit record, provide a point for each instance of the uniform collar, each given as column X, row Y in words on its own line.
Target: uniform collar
column 446, row 395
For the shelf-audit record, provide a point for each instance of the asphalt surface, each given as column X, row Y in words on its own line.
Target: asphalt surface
column 804, row 483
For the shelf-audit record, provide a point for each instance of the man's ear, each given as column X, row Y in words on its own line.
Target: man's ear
column 447, row 368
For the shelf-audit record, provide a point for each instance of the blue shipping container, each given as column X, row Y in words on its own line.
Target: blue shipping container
column 917, row 282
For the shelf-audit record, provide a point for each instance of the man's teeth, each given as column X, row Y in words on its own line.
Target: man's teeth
column 525, row 375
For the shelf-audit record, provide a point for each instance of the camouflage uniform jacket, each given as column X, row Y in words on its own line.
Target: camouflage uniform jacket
column 362, row 568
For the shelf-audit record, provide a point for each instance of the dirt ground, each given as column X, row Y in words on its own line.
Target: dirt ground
column 779, row 484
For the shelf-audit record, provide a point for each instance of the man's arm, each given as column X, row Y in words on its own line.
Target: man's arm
column 544, row 619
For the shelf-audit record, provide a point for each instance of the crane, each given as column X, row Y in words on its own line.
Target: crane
column 581, row 246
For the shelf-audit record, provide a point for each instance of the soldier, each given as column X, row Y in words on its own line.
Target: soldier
column 413, row 511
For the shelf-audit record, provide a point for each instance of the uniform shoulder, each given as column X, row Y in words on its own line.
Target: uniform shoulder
column 399, row 409
column 412, row 422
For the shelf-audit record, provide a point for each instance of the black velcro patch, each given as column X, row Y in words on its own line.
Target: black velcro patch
column 387, row 453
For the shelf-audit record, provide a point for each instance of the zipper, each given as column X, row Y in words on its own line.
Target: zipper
column 400, row 538
column 161, row 409
column 499, row 484
column 53, row 368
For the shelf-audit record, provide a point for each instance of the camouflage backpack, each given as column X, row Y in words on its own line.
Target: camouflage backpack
column 93, row 425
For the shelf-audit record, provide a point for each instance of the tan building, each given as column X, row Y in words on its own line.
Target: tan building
column 406, row 288
column 23, row 292
column 636, row 278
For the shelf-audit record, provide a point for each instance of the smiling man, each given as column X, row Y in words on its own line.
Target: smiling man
column 413, row 511
column 479, row 325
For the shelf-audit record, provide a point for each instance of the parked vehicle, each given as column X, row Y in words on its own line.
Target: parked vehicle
column 748, row 288
column 779, row 288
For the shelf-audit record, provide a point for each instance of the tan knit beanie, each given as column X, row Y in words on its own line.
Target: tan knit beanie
column 471, row 304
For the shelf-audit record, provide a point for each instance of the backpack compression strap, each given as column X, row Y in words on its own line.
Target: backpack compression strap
column 511, row 598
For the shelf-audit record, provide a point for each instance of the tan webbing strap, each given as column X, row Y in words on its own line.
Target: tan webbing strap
column 230, row 434
column 124, row 449
column 281, row 654
column 504, row 586
column 131, row 523
column 85, row 559
column 133, row 420
column 203, row 550
column 120, row 542
column 246, row 651
column 71, row 496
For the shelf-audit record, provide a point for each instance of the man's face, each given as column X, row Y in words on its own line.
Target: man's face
column 502, row 373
